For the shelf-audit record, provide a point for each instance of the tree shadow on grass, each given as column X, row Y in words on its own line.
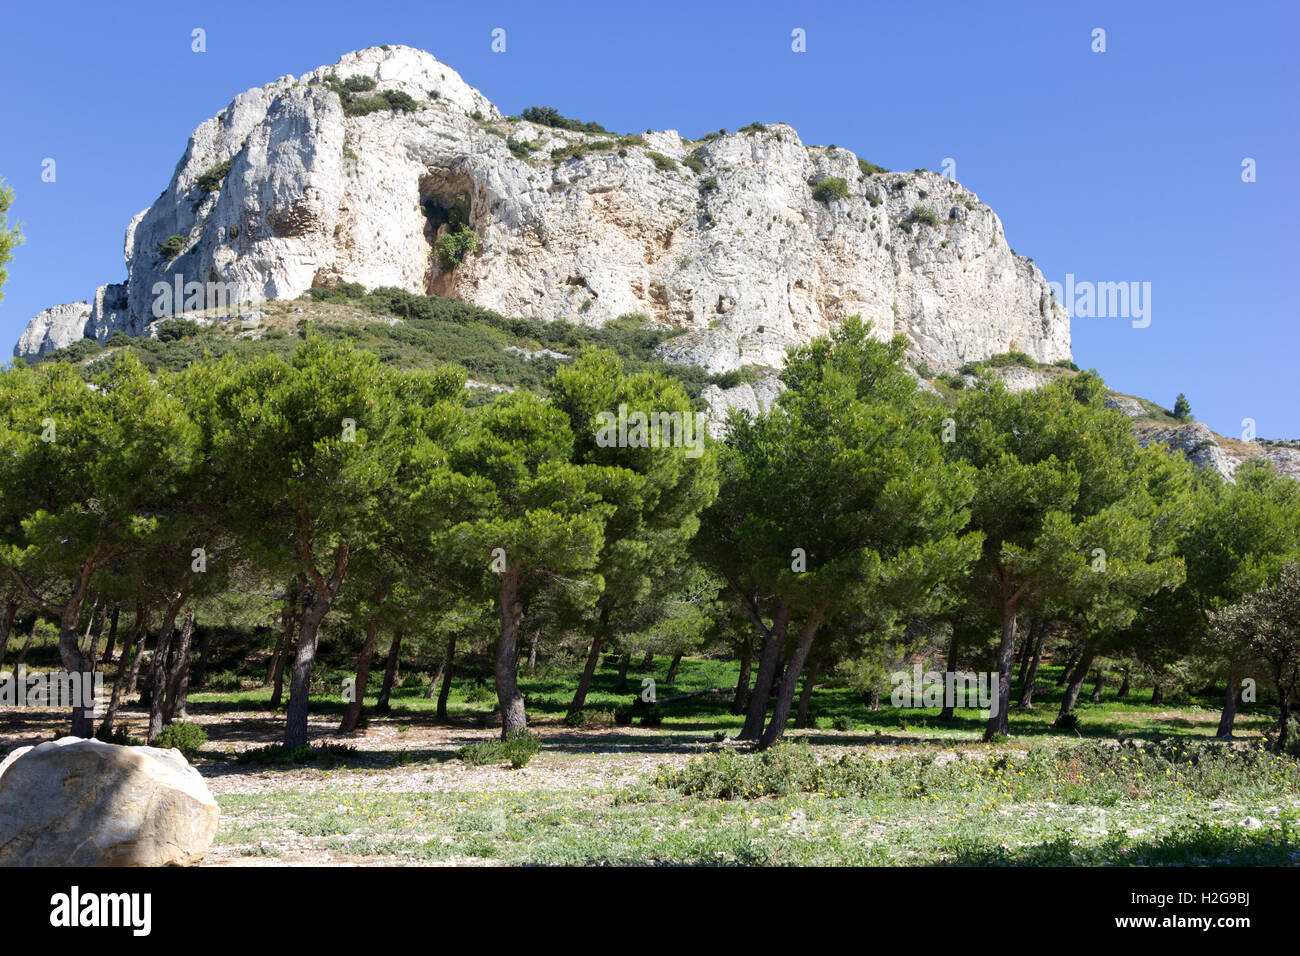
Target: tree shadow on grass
column 1204, row 845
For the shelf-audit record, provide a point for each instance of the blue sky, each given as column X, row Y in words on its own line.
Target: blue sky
column 1123, row 166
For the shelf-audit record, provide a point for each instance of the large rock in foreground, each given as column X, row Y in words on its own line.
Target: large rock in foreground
column 75, row 802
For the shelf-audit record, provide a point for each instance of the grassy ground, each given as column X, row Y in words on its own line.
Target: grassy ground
column 603, row 794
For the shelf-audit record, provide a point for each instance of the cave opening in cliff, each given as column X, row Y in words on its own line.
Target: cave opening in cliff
column 446, row 205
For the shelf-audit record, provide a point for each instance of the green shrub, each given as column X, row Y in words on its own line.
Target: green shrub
column 1094, row 773
column 1066, row 722
column 589, row 717
column 223, row 681
column 923, row 214
column 359, row 84
column 651, row 717
column 480, row 693
column 1004, row 359
column 398, row 100
column 755, row 127
column 185, row 736
column 78, row 351
column 546, row 116
column 454, row 245
column 694, row 163
column 171, row 247
column 870, row 169
column 278, row 755
column 516, row 751
column 662, row 162
column 176, row 329
column 830, row 188
column 211, row 180
column 366, row 105
column 119, row 736
column 117, row 340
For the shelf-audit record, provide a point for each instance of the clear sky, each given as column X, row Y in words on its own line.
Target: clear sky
column 1122, row 166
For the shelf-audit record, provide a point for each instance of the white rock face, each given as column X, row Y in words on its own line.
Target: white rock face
column 1195, row 440
column 1130, row 407
column 738, row 256
column 75, row 802
column 53, row 329
column 754, row 399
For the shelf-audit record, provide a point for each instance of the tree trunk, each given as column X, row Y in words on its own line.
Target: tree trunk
column 448, row 663
column 134, row 679
column 785, row 697
column 514, row 720
column 620, row 685
column 1031, row 679
column 1077, row 677
column 432, row 690
column 352, row 713
column 1006, row 655
column 158, row 666
column 382, row 705
column 1284, row 712
column 873, row 700
column 1070, row 661
column 27, row 644
column 672, row 669
column 178, row 680
column 205, row 648
column 112, row 634
column 532, row 651
column 1096, row 689
column 773, row 639
column 296, row 598
column 1157, row 696
column 75, row 662
column 11, row 610
column 276, row 660
column 593, row 658
column 95, row 631
column 1026, row 652
column 134, row 640
column 1229, row 715
column 1122, row 693
column 739, row 701
column 304, row 656
column 946, row 713
column 805, row 694
column 649, row 661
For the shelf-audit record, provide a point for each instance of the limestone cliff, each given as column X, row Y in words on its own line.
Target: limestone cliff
column 722, row 238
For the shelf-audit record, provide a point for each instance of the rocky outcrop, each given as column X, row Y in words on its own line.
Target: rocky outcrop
column 75, row 802
column 55, row 328
column 1193, row 439
column 722, row 239
column 752, row 398
column 1130, row 407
